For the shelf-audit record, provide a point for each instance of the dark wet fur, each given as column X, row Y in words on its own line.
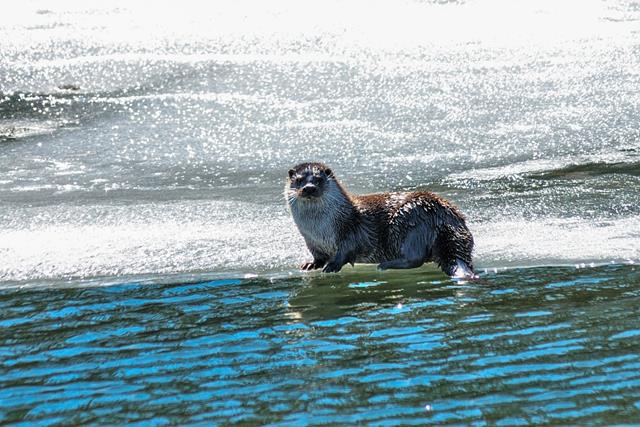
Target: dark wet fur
column 396, row 230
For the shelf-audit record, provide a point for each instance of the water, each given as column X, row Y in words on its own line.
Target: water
column 143, row 149
column 538, row 345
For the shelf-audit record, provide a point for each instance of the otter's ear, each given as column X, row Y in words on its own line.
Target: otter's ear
column 292, row 172
column 328, row 172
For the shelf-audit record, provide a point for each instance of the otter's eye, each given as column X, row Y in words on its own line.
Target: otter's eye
column 299, row 180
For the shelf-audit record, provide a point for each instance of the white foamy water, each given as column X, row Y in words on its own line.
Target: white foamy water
column 138, row 139
column 155, row 238
column 559, row 240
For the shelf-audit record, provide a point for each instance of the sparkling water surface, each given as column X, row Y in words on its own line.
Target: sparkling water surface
column 541, row 345
column 148, row 268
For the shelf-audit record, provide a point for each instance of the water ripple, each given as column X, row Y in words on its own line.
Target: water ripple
column 317, row 350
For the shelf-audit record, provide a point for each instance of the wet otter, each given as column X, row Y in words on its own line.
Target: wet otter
column 396, row 230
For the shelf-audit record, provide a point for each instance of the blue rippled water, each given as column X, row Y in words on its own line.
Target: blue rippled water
column 148, row 265
column 532, row 346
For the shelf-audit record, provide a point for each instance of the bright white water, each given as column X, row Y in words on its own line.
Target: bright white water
column 145, row 140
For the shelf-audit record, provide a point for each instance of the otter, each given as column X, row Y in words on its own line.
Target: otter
column 394, row 230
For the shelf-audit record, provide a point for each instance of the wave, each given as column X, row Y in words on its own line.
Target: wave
column 590, row 169
column 620, row 161
column 181, row 58
column 21, row 129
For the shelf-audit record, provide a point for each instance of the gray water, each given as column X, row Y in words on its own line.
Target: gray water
column 143, row 152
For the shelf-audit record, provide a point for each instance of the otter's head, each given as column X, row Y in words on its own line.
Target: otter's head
column 308, row 181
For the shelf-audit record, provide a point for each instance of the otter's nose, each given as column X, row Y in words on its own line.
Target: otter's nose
column 309, row 190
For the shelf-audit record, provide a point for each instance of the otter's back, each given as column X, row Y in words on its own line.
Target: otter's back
column 394, row 215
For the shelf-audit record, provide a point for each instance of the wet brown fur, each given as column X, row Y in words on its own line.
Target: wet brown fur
column 397, row 230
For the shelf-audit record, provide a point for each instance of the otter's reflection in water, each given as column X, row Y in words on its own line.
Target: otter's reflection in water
column 362, row 289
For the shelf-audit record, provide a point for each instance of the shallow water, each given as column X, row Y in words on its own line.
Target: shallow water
column 149, row 264
column 137, row 141
column 540, row 345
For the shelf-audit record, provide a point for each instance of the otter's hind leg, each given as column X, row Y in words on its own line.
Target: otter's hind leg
column 414, row 250
column 461, row 270
column 452, row 252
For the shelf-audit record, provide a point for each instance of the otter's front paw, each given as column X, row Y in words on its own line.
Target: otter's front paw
column 332, row 267
column 312, row 265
